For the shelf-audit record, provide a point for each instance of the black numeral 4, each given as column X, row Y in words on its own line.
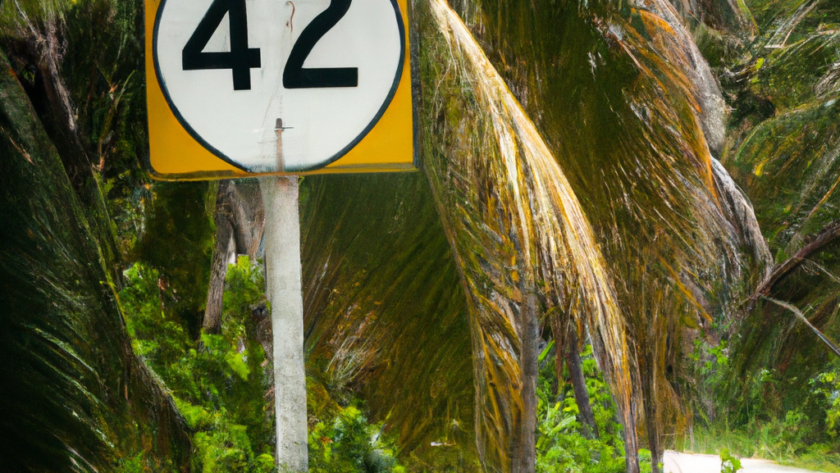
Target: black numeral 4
column 240, row 60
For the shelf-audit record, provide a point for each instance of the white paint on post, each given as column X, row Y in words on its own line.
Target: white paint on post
column 283, row 288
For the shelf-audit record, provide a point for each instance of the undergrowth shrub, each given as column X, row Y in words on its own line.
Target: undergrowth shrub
column 561, row 442
column 777, row 417
column 218, row 382
column 348, row 443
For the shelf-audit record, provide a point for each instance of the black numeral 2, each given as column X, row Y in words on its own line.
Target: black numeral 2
column 239, row 60
column 296, row 77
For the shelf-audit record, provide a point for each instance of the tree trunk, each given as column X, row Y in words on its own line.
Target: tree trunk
column 558, row 365
column 248, row 215
column 240, row 221
column 651, row 418
column 530, row 370
column 283, row 288
column 262, row 320
column 631, row 441
column 221, row 256
column 559, row 342
column 573, row 361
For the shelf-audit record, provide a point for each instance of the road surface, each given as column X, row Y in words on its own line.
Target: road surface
column 676, row 462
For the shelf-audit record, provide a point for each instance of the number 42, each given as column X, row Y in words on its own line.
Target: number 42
column 241, row 59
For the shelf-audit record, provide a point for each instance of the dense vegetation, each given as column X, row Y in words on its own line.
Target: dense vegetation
column 218, row 382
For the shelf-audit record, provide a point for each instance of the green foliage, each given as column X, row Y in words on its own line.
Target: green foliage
column 219, row 382
column 826, row 386
column 107, row 89
column 341, row 440
column 135, row 464
column 775, row 398
column 348, row 443
column 561, row 442
column 705, row 374
column 777, row 440
column 759, row 423
column 91, row 53
column 729, row 463
column 442, row 456
column 709, row 358
column 787, row 168
column 75, row 397
column 178, row 242
column 227, row 447
column 126, row 203
column 383, row 294
column 798, row 43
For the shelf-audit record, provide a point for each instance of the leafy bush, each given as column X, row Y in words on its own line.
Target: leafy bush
column 729, row 463
column 341, row 440
column 217, row 382
column 757, row 422
column 348, row 443
column 826, row 387
column 561, row 443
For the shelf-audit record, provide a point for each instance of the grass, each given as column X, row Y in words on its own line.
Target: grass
column 769, row 441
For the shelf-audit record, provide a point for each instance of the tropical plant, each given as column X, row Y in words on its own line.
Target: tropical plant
column 218, row 383
column 729, row 463
column 70, row 378
column 563, row 442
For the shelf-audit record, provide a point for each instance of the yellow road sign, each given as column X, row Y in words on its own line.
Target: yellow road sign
column 252, row 87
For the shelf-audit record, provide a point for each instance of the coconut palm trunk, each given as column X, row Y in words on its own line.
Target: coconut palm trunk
column 571, row 353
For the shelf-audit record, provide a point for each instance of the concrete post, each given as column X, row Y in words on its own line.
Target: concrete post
column 283, row 288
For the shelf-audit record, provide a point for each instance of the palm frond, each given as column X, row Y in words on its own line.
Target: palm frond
column 515, row 225
column 631, row 112
column 385, row 311
column 75, row 396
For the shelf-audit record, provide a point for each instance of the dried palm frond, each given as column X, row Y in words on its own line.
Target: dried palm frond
column 516, row 228
column 627, row 107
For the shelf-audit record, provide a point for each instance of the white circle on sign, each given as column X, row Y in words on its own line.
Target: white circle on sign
column 233, row 71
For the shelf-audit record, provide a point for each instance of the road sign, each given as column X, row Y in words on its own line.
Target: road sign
column 243, row 87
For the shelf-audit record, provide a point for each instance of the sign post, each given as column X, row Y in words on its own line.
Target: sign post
column 276, row 89
column 283, row 288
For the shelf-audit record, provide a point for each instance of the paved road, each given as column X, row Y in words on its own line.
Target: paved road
column 676, row 462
